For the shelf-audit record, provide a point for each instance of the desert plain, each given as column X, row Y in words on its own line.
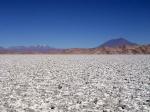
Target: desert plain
column 74, row 83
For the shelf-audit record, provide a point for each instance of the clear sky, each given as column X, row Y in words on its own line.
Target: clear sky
column 73, row 23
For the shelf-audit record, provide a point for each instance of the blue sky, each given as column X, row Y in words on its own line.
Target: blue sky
column 73, row 23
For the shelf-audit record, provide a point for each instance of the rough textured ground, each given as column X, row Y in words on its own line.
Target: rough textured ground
column 75, row 83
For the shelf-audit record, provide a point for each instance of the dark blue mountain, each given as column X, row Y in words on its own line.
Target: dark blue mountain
column 32, row 49
column 117, row 43
column 1, row 48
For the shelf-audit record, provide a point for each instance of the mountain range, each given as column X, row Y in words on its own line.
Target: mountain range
column 113, row 46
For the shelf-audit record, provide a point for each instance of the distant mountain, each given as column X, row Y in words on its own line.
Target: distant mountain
column 1, row 48
column 119, row 42
column 29, row 49
column 114, row 46
column 37, row 48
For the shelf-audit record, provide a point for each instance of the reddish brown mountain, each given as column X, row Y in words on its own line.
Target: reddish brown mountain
column 114, row 46
column 139, row 49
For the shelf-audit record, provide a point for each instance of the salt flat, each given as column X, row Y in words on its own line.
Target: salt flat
column 74, row 83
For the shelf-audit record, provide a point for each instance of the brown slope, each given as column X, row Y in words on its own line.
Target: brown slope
column 126, row 49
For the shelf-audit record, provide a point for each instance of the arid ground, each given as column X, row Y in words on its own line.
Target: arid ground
column 74, row 83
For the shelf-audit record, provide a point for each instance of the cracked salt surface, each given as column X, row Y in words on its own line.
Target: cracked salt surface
column 75, row 83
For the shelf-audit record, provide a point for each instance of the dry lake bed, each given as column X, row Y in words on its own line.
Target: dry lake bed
column 74, row 83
